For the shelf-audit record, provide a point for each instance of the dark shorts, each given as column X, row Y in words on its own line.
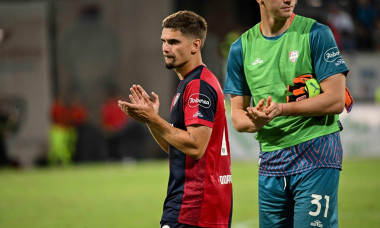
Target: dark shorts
column 309, row 199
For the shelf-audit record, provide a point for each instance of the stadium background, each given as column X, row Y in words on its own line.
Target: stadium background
column 61, row 61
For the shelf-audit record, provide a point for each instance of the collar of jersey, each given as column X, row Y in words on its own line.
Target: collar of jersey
column 276, row 37
column 202, row 65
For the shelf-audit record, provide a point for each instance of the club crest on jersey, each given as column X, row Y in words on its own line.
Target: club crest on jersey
column 176, row 99
column 196, row 99
column 293, row 56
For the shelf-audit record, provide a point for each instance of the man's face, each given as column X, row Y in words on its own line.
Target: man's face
column 176, row 47
column 279, row 8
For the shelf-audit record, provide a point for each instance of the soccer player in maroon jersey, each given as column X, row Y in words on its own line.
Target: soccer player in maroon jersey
column 200, row 186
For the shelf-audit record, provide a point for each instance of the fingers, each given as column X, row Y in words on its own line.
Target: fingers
column 123, row 106
column 269, row 101
column 140, row 95
column 268, row 104
column 255, row 114
column 155, row 96
column 142, row 91
column 132, row 99
column 156, row 99
column 260, row 105
column 136, row 94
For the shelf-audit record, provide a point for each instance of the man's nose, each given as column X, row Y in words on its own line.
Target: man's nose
column 165, row 47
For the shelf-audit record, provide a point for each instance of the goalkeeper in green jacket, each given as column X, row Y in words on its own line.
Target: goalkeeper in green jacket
column 292, row 70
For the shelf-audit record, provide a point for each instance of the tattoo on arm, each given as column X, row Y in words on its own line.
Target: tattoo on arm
column 176, row 132
column 194, row 137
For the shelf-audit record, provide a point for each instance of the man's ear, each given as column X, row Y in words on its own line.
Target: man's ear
column 196, row 46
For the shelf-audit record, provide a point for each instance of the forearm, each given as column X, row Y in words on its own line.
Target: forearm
column 330, row 101
column 160, row 141
column 241, row 122
column 180, row 139
column 323, row 104
column 240, row 119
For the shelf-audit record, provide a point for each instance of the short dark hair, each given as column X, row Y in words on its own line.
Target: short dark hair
column 189, row 23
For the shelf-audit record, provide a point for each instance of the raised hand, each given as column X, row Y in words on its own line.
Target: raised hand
column 155, row 101
column 140, row 107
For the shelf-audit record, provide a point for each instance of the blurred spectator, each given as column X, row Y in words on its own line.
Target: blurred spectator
column 90, row 144
column 114, row 122
column 344, row 27
column 62, row 135
column 77, row 112
column 12, row 111
column 365, row 14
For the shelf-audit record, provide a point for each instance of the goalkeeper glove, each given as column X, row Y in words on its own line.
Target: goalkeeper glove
column 305, row 86
column 349, row 102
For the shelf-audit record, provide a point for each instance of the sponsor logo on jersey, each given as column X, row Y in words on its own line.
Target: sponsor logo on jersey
column 196, row 99
column 225, row 179
column 332, row 54
column 293, row 56
column 198, row 114
column 257, row 61
column 339, row 62
column 316, row 223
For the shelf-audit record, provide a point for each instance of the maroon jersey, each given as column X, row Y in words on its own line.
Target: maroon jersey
column 200, row 192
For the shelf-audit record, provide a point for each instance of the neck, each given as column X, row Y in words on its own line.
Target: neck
column 183, row 70
column 271, row 26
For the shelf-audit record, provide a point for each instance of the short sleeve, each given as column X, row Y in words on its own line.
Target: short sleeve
column 327, row 60
column 236, row 82
column 199, row 103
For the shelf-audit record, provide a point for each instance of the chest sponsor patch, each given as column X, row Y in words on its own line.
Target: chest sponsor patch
column 196, row 99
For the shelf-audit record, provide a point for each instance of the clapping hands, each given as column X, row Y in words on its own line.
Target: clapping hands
column 263, row 113
column 141, row 107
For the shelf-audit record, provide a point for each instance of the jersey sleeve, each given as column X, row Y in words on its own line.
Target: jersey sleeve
column 325, row 54
column 199, row 103
column 236, row 82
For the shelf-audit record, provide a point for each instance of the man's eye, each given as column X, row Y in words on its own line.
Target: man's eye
column 172, row 42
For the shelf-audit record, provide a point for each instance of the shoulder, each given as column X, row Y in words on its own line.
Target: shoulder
column 205, row 80
column 236, row 47
column 319, row 30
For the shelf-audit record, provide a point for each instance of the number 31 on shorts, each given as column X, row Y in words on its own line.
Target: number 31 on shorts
column 316, row 200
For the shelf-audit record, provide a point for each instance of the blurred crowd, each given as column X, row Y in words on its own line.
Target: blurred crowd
column 356, row 27
column 74, row 139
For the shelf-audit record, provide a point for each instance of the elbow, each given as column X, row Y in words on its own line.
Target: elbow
column 239, row 128
column 340, row 109
column 237, row 124
column 196, row 154
column 337, row 108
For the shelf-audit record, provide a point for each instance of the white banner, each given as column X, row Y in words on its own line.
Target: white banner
column 360, row 136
